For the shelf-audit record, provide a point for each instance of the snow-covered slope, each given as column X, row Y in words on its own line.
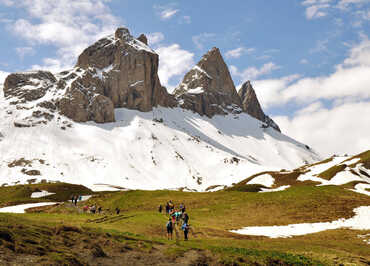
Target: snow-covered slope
column 186, row 150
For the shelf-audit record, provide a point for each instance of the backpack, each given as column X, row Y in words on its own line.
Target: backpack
column 169, row 224
column 184, row 227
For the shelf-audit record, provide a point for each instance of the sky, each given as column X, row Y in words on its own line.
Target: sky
column 308, row 60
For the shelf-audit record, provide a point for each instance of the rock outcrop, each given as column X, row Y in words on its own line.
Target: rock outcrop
column 208, row 88
column 128, row 69
column 121, row 71
column 116, row 71
column 251, row 105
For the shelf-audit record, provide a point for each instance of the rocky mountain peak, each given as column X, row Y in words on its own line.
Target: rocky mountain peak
column 123, row 34
column 208, row 87
column 143, row 39
column 251, row 105
column 116, row 71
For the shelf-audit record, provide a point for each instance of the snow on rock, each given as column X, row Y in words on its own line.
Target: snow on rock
column 359, row 222
column 196, row 90
column 41, row 194
column 281, row 188
column 21, row 208
column 265, row 180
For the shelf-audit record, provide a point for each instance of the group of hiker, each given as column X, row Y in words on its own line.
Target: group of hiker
column 92, row 209
column 76, row 198
column 176, row 217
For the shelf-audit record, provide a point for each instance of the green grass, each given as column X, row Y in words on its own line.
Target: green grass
column 19, row 194
column 140, row 228
column 332, row 171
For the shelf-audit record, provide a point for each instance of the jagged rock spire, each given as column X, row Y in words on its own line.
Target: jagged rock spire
column 251, row 105
column 208, row 87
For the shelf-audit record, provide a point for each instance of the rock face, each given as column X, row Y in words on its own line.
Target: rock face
column 116, row 71
column 208, row 88
column 28, row 86
column 128, row 69
column 251, row 105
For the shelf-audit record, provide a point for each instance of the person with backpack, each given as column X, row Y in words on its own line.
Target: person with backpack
column 185, row 218
column 160, row 208
column 167, row 208
column 169, row 227
column 185, row 228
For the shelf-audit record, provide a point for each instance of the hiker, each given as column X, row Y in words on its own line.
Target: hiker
column 185, row 218
column 93, row 209
column 80, row 198
column 177, row 215
column 185, row 228
column 172, row 206
column 169, row 227
column 76, row 198
column 85, row 208
column 183, row 208
column 173, row 216
column 99, row 209
column 160, row 208
column 73, row 199
column 167, row 208
column 118, row 210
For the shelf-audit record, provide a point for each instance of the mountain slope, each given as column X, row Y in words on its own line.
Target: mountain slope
column 186, row 150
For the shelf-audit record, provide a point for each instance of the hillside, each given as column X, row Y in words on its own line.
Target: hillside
column 351, row 172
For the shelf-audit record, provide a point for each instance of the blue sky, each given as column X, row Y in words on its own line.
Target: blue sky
column 309, row 60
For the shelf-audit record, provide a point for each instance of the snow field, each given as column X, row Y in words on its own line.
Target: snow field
column 359, row 222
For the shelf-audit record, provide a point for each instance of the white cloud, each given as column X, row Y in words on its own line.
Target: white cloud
column 155, row 37
column 238, row 52
column 268, row 91
column 3, row 76
column 173, row 62
column 303, row 61
column 316, row 8
column 350, row 79
column 252, row 73
column 341, row 129
column 316, row 11
column 168, row 13
column 200, row 39
column 69, row 25
column 345, row 4
column 23, row 51
column 165, row 12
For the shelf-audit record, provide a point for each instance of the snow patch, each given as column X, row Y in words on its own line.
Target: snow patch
column 197, row 90
column 41, row 194
column 282, row 188
column 21, row 208
column 361, row 188
column 359, row 222
column 265, row 180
